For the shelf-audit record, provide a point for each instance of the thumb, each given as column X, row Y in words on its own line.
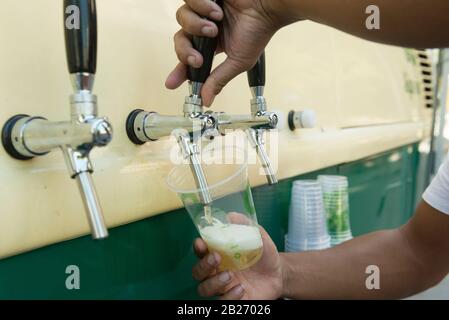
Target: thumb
column 220, row 77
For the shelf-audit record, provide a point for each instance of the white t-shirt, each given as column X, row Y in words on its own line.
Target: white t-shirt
column 437, row 194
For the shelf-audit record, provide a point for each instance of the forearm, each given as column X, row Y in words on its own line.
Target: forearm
column 411, row 23
column 340, row 272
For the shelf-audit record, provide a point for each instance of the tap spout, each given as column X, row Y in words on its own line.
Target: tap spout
column 190, row 151
column 255, row 136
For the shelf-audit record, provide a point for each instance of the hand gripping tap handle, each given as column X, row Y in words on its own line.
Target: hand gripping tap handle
column 207, row 47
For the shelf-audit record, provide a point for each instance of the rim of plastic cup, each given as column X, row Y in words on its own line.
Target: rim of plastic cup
column 307, row 182
column 306, row 185
column 243, row 166
column 329, row 182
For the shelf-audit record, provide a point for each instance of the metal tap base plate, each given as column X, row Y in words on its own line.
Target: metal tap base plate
column 7, row 137
column 130, row 127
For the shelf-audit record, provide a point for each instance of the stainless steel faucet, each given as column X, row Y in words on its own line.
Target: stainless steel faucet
column 143, row 126
column 25, row 137
column 256, row 81
column 189, row 128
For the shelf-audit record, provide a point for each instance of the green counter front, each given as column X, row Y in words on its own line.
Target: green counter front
column 152, row 258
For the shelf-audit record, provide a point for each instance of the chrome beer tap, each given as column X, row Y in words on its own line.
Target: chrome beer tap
column 142, row 126
column 256, row 123
column 25, row 137
column 256, row 81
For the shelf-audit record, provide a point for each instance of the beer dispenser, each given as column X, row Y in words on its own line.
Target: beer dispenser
column 25, row 137
column 143, row 126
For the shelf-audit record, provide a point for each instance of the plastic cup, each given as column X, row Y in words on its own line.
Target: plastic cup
column 228, row 225
column 307, row 220
column 336, row 202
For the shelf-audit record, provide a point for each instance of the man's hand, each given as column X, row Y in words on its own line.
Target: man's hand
column 246, row 29
column 261, row 281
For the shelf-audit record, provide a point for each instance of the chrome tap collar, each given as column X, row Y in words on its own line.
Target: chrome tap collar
column 82, row 81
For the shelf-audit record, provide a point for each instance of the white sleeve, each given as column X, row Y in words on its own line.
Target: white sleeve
column 437, row 194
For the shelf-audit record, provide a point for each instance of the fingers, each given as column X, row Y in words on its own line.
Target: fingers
column 193, row 24
column 177, row 77
column 200, row 248
column 206, row 8
column 206, row 266
column 220, row 77
column 185, row 52
column 236, row 293
column 238, row 218
column 215, row 285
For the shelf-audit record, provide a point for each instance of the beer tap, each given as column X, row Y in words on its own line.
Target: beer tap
column 25, row 137
column 143, row 126
column 188, row 128
column 256, row 81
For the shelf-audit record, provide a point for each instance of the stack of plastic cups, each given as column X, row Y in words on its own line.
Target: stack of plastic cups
column 307, row 227
column 336, row 202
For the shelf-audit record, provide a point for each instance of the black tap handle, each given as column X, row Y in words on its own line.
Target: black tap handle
column 80, row 25
column 256, row 76
column 207, row 47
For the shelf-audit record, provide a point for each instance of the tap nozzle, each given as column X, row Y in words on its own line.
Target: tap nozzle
column 255, row 136
column 190, row 151
column 80, row 169
column 256, row 81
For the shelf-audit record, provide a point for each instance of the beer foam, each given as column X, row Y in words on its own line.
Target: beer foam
column 232, row 237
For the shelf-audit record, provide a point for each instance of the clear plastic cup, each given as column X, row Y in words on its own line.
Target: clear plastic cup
column 336, row 202
column 228, row 225
column 307, row 220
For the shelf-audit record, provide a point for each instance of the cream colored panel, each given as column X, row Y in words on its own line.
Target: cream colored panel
column 308, row 67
